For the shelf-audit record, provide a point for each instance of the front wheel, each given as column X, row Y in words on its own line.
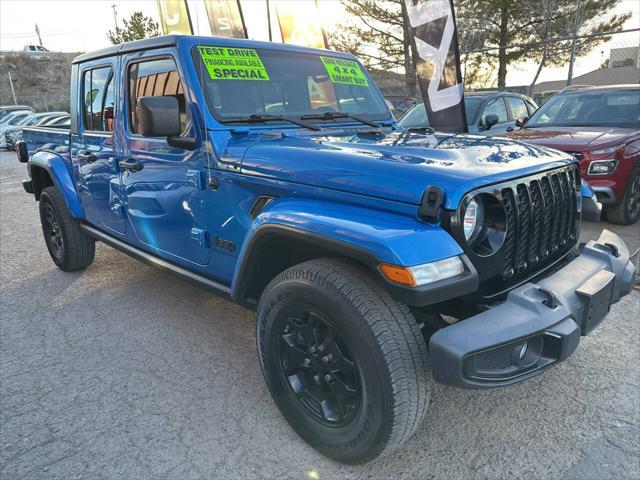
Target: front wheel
column 70, row 248
column 628, row 210
column 346, row 365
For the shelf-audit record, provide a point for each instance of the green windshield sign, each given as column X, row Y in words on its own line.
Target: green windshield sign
column 226, row 63
column 344, row 71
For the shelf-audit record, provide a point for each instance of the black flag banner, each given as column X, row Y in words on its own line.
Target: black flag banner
column 225, row 18
column 434, row 42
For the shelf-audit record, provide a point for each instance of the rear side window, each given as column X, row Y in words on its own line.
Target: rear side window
column 155, row 78
column 98, row 93
column 518, row 107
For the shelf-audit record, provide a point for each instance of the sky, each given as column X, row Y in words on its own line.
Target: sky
column 81, row 25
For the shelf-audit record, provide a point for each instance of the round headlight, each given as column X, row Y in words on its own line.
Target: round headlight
column 472, row 219
column 484, row 224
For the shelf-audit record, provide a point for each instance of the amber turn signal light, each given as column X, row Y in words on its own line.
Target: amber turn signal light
column 401, row 275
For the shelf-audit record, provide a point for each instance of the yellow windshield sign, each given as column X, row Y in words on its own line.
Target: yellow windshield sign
column 344, row 71
column 228, row 63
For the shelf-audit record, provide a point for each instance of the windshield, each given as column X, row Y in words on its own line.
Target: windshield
column 15, row 120
column 596, row 108
column 417, row 116
column 238, row 82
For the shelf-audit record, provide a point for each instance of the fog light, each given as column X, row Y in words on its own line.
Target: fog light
column 527, row 353
column 602, row 167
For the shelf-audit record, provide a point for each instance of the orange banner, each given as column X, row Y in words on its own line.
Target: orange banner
column 299, row 23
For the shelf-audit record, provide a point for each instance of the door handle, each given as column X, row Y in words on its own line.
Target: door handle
column 131, row 165
column 87, row 157
column 509, row 129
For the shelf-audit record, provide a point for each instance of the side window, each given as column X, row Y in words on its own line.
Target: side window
column 98, row 93
column 155, row 78
column 497, row 107
column 518, row 107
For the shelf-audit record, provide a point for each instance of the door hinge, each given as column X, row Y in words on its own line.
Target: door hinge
column 199, row 236
column 196, row 179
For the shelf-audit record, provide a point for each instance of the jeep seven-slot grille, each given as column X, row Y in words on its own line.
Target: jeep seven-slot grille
column 541, row 220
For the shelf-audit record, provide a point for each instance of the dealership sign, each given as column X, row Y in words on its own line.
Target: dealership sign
column 435, row 50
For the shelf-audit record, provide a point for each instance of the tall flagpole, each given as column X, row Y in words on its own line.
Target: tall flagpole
column 269, row 20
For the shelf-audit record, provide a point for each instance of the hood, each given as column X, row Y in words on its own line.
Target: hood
column 395, row 165
column 573, row 138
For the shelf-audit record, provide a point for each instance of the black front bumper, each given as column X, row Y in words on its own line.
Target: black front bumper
column 538, row 325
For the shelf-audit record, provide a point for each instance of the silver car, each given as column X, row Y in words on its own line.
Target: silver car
column 488, row 113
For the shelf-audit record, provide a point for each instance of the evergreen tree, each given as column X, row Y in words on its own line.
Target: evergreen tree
column 376, row 33
column 135, row 28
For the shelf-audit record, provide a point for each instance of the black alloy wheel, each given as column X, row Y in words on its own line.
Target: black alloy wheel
column 53, row 233
column 318, row 367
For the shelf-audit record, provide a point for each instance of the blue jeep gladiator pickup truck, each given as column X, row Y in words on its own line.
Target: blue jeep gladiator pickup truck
column 376, row 258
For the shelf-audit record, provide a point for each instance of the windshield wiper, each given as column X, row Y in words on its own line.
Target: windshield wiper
column 265, row 117
column 335, row 115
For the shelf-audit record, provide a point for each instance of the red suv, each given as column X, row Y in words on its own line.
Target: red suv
column 600, row 126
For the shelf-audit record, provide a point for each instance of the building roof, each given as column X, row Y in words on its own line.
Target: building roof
column 600, row 77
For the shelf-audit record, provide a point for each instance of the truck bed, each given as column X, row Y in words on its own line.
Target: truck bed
column 47, row 138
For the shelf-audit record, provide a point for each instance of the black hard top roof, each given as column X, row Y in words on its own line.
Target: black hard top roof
column 136, row 45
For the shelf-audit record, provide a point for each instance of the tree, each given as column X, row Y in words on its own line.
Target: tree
column 593, row 19
column 490, row 32
column 507, row 27
column 135, row 28
column 376, row 33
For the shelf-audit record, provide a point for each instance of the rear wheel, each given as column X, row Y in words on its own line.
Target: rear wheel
column 628, row 210
column 69, row 247
column 346, row 364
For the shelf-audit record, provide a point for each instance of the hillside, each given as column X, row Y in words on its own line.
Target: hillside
column 41, row 83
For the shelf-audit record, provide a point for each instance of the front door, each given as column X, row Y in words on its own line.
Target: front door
column 498, row 107
column 165, row 193
column 94, row 150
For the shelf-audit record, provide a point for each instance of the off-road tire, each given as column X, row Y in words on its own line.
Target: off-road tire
column 628, row 210
column 77, row 249
column 385, row 342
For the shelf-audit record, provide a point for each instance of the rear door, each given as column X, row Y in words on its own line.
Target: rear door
column 94, row 149
column 166, row 197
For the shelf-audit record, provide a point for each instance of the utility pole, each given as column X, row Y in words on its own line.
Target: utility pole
column 13, row 92
column 573, row 44
column 38, row 33
column 115, row 14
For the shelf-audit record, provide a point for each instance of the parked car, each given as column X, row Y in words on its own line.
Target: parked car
column 400, row 104
column 349, row 236
column 7, row 109
column 600, row 126
column 14, row 134
column 488, row 113
column 61, row 121
column 10, row 121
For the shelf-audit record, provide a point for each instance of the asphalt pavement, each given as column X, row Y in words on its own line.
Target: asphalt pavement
column 126, row 372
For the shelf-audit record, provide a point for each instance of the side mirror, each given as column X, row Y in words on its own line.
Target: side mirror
column 158, row 116
column 520, row 121
column 490, row 120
